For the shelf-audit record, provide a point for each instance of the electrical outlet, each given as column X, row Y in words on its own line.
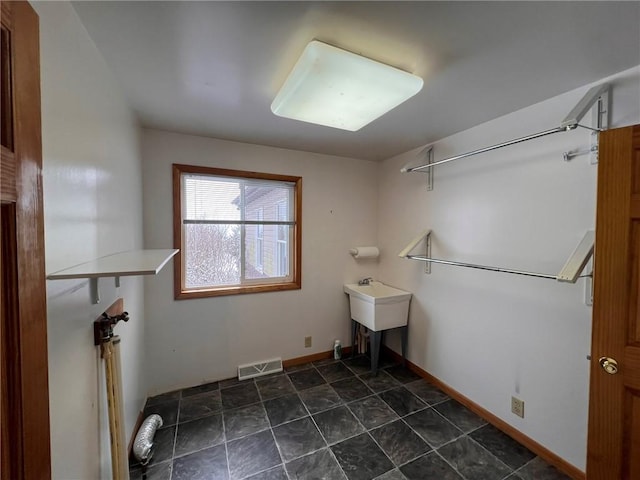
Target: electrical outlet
column 307, row 342
column 517, row 406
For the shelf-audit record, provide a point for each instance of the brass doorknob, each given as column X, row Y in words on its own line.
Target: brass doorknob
column 609, row 365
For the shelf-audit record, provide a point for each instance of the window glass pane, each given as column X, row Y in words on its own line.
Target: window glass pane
column 275, row 256
column 254, row 251
column 268, row 198
column 212, row 255
column 230, row 231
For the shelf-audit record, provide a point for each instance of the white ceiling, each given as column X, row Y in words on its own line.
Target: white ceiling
column 213, row 68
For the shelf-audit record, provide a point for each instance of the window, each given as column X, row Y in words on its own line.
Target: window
column 238, row 232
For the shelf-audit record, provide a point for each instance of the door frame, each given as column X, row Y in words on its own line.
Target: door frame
column 25, row 397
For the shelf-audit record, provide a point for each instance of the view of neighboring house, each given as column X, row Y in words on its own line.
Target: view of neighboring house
column 267, row 246
column 212, row 206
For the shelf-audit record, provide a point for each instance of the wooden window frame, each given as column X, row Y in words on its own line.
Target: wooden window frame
column 180, row 293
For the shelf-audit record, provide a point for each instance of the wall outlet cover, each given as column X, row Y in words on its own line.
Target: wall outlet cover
column 307, row 342
column 517, row 406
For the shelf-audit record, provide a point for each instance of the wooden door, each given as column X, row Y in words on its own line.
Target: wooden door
column 614, row 410
column 24, row 393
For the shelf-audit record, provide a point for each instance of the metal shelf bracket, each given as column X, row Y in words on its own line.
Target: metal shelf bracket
column 94, row 288
column 578, row 259
column 406, row 252
column 597, row 99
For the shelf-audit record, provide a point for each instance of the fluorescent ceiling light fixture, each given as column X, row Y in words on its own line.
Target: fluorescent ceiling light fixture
column 332, row 87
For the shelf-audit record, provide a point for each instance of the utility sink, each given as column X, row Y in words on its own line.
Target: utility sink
column 378, row 306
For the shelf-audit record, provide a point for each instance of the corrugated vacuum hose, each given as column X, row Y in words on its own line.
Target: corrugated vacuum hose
column 143, row 444
column 111, row 355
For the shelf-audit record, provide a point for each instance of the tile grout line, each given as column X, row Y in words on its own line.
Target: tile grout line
column 471, row 439
column 401, row 419
column 437, row 451
column 437, row 412
column 297, row 392
column 468, row 435
column 343, row 403
column 224, row 432
column 450, row 464
column 367, row 431
column 433, row 448
column 323, row 437
column 175, row 436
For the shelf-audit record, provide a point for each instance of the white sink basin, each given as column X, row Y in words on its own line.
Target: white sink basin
column 378, row 306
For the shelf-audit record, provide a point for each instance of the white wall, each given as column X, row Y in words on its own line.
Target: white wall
column 93, row 207
column 491, row 335
column 487, row 335
column 193, row 341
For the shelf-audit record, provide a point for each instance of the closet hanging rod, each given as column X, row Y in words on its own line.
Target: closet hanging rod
column 593, row 97
column 570, row 273
column 488, row 149
column 483, row 267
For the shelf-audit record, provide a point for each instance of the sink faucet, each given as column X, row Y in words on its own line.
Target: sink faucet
column 365, row 281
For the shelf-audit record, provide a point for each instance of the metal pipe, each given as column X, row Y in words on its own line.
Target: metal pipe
column 482, row 267
column 488, row 149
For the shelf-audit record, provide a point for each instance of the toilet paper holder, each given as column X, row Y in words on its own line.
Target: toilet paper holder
column 365, row 252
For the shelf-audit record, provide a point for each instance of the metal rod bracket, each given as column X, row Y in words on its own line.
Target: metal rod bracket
column 588, row 289
column 406, row 251
column 593, row 148
column 585, row 104
column 578, row 259
column 427, row 265
column 429, row 155
column 592, row 151
column 601, row 120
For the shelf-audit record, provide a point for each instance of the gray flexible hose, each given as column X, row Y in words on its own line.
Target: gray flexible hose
column 144, row 438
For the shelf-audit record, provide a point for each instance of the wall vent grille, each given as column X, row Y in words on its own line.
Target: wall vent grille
column 259, row 369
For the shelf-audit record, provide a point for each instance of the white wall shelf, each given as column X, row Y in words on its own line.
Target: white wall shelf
column 123, row 264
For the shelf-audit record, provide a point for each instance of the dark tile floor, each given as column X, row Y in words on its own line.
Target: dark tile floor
column 330, row 420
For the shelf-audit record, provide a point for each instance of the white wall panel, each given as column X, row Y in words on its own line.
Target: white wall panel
column 93, row 207
column 492, row 335
column 199, row 340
